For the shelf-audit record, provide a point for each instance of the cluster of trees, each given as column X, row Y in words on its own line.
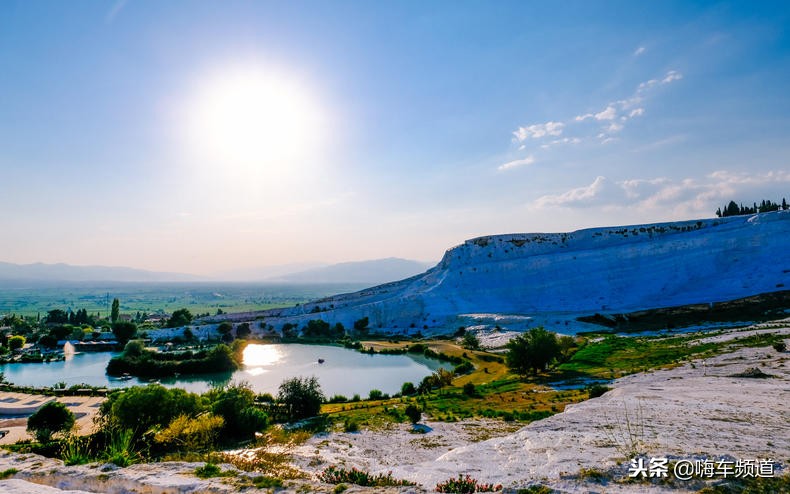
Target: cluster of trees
column 59, row 316
column 163, row 420
column 533, row 351
column 765, row 206
column 136, row 360
column 320, row 329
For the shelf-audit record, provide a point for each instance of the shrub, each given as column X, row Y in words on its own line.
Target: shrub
column 50, row 419
column 140, row 408
column 264, row 482
column 75, row 451
column 211, row 470
column 134, row 348
column 463, row 368
column 470, row 341
column 301, row 397
column 16, row 342
column 335, row 475
column 780, row 346
column 413, row 413
column 469, row 389
column 236, row 405
column 407, row 389
column 191, row 434
column 350, row 425
column 597, row 390
column 119, row 449
column 465, row 485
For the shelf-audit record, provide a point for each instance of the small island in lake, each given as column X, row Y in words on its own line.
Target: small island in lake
column 139, row 361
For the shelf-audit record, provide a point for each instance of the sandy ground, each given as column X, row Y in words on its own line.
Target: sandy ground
column 698, row 410
column 84, row 408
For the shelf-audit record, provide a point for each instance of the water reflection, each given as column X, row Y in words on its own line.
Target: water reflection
column 261, row 355
column 343, row 371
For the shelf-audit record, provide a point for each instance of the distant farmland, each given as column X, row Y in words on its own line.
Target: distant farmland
column 38, row 298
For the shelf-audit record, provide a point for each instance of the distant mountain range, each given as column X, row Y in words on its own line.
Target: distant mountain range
column 364, row 272
column 40, row 272
column 374, row 272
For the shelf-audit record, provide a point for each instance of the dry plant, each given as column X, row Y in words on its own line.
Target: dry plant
column 627, row 431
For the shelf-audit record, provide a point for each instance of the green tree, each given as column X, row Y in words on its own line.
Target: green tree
column 115, row 312
column 361, row 325
column 407, row 389
column 134, row 348
column 243, row 330
column 301, row 397
column 16, row 342
column 57, row 316
column 140, row 408
column 180, row 317
column 225, row 330
column 413, row 413
column 470, row 341
column 236, row 405
column 532, row 351
column 50, row 419
column 316, row 328
column 124, row 331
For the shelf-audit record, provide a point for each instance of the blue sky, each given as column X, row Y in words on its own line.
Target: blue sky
column 378, row 128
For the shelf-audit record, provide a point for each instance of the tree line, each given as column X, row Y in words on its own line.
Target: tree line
column 765, row 206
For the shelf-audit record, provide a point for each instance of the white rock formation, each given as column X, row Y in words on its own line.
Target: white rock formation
column 550, row 278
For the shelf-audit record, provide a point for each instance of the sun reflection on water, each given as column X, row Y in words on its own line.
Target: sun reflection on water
column 260, row 356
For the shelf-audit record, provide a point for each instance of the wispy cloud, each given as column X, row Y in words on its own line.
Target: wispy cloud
column 639, row 51
column 683, row 196
column 516, row 163
column 537, row 131
column 602, row 126
column 611, row 119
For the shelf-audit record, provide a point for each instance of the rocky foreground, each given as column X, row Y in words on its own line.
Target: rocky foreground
column 698, row 410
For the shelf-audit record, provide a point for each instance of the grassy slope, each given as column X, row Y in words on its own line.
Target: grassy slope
column 501, row 394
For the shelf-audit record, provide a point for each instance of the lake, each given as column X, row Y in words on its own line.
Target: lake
column 346, row 372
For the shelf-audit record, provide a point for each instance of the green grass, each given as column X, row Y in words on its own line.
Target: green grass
column 502, row 395
column 210, row 470
column 8, row 473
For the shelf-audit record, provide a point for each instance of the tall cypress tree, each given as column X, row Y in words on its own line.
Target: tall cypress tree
column 115, row 312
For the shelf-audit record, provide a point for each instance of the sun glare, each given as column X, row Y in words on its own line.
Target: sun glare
column 253, row 118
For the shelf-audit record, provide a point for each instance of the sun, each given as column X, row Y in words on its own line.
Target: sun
column 252, row 118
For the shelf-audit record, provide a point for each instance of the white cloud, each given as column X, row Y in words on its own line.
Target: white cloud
column 679, row 197
column 580, row 196
column 639, row 51
column 608, row 114
column 612, row 119
column 516, row 163
column 672, row 76
column 537, row 131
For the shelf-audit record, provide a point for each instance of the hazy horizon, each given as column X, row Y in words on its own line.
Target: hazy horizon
column 187, row 137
